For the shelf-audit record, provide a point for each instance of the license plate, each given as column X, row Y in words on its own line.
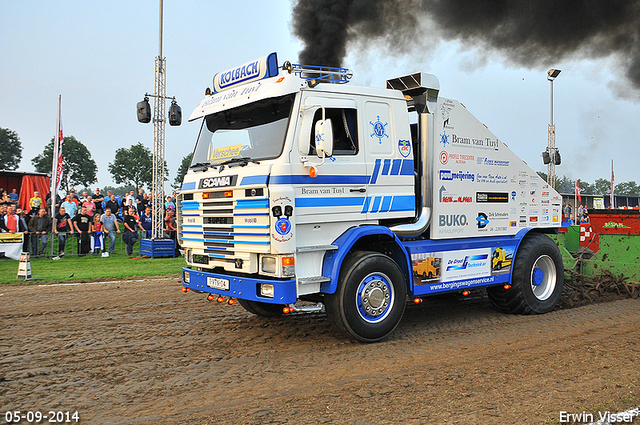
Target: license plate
column 215, row 283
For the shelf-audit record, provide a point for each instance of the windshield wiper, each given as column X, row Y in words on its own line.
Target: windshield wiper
column 201, row 166
column 234, row 162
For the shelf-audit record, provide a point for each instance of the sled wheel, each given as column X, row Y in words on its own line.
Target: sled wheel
column 262, row 309
column 537, row 279
column 370, row 298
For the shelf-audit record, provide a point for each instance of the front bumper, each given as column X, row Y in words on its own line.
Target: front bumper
column 244, row 288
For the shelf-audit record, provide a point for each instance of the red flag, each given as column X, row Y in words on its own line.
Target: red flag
column 59, row 165
column 611, row 198
column 578, row 191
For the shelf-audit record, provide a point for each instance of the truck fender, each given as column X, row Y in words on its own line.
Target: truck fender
column 332, row 262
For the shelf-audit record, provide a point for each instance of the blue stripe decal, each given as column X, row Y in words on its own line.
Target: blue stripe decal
column 367, row 202
column 395, row 168
column 376, row 170
column 252, row 203
column 376, row 204
column 219, row 241
column 190, row 215
column 193, row 239
column 403, row 203
column 321, row 179
column 191, row 225
column 407, row 167
column 251, row 234
column 329, row 202
column 190, row 206
column 249, row 214
column 266, row 226
column 385, row 168
column 217, row 256
column 386, row 204
column 254, row 180
column 217, row 248
column 217, row 233
column 251, row 243
column 184, row 232
column 189, row 186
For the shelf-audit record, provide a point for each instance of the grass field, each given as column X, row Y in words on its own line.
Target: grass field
column 91, row 268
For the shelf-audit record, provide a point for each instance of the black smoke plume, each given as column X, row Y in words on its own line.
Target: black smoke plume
column 530, row 33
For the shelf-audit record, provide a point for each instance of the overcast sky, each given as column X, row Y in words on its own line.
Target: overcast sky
column 100, row 57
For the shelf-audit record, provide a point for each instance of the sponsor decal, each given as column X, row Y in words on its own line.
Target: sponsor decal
column 556, row 219
column 493, row 178
column 482, row 220
column 225, row 153
column 512, row 224
column 468, row 262
column 533, row 219
column 449, row 175
column 220, row 181
column 444, row 157
column 493, row 162
column 282, row 211
column 614, row 225
column 379, row 129
column 461, row 158
column 444, row 139
column 283, row 226
column 513, row 195
column 474, row 142
column 452, row 220
column 492, row 197
column 404, row 146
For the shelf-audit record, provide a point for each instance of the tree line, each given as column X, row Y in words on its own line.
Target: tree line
column 600, row 187
column 131, row 167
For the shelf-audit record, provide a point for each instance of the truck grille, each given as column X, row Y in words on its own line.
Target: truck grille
column 227, row 230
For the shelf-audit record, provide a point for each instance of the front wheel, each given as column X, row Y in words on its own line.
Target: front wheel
column 370, row 299
column 537, row 278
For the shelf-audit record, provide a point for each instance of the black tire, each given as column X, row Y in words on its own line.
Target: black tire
column 370, row 298
column 262, row 309
column 537, row 278
column 499, row 265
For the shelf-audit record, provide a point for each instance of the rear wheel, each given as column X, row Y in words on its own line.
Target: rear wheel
column 537, row 278
column 262, row 309
column 370, row 299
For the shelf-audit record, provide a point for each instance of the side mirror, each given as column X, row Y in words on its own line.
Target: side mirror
column 324, row 137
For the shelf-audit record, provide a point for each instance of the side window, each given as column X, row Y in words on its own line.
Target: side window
column 345, row 130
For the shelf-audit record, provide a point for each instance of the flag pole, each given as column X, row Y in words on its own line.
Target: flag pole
column 575, row 203
column 54, row 167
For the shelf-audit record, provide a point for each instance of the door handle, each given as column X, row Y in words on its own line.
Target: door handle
column 361, row 190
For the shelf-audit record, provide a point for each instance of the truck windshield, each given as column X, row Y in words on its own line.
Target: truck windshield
column 255, row 131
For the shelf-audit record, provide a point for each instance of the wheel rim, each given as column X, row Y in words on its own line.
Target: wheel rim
column 375, row 297
column 543, row 277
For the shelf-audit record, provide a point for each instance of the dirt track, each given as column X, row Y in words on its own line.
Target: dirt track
column 142, row 352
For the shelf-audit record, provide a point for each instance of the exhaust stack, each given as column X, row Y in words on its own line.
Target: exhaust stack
column 423, row 91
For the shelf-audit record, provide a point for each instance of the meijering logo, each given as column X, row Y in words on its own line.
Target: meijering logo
column 449, row 175
column 450, row 220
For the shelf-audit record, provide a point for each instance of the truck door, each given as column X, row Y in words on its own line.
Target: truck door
column 338, row 192
column 389, row 159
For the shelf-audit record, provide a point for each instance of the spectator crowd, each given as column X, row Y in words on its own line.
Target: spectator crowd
column 94, row 219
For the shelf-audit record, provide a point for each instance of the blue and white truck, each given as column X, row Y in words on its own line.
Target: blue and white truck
column 303, row 187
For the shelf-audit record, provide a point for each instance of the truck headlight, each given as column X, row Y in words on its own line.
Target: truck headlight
column 269, row 265
column 187, row 277
column 267, row 290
